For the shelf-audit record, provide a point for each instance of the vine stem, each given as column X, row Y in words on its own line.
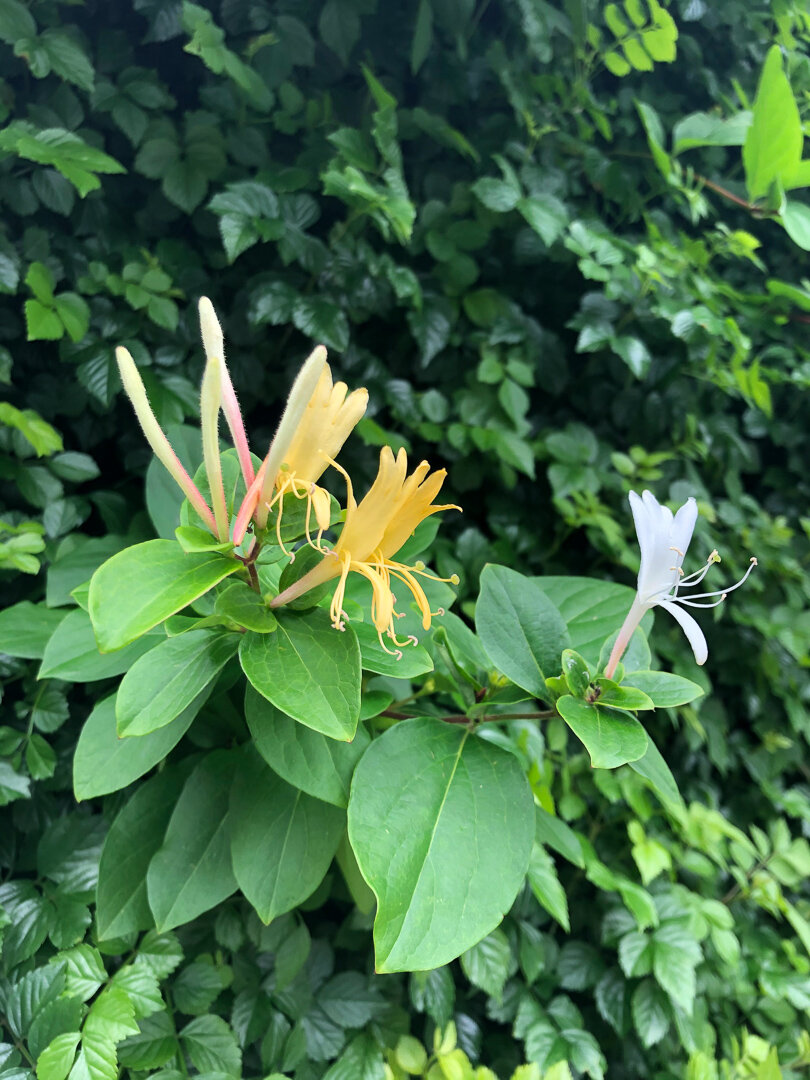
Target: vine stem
column 457, row 718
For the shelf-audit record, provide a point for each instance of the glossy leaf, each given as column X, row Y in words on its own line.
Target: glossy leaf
column 156, row 579
column 437, row 815
column 612, row 738
column 282, row 840
column 520, row 628
column 160, row 686
column 308, row 760
column 309, row 670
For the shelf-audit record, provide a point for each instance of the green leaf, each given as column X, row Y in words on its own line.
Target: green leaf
column 153, row 1046
column 42, row 323
column 72, row 653
column 710, row 129
column 611, row 738
column 664, row 689
column 520, row 628
column 422, row 35
column 546, row 214
column 198, row 986
column 656, row 772
column 361, row 1060
column 104, row 763
column 650, row 1013
column 592, row 610
column 191, row 872
column 424, row 852
column 405, row 663
column 676, row 954
column 134, row 837
column 161, row 685
column 497, row 195
column 55, row 1061
column 212, row 1046
column 339, row 27
column 621, row 697
column 487, row 963
column 282, row 840
column 351, row 1000
column 796, row 220
column 145, row 584
column 308, row 670
column 553, row 832
column 16, row 22
column 546, row 886
column 67, row 58
column 246, row 608
column 26, row 628
column 773, row 145
column 75, row 159
column 45, row 439
column 308, row 760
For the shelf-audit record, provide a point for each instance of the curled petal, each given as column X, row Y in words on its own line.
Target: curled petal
column 690, row 627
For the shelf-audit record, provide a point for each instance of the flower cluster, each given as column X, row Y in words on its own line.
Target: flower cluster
column 318, row 418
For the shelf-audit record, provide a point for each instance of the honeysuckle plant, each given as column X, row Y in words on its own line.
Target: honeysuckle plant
column 340, row 711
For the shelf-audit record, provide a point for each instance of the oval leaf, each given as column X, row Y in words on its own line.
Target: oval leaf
column 612, row 738
column 282, row 840
column 437, row 816
column 309, row 670
column 192, row 871
column 157, row 688
column 145, row 584
column 304, row 758
column 520, row 628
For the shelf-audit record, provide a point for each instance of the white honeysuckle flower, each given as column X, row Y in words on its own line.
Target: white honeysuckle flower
column 664, row 539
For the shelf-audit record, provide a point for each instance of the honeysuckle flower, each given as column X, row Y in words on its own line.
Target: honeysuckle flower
column 664, row 539
column 210, row 401
column 304, row 447
column 373, row 532
column 161, row 447
column 214, row 346
column 316, row 422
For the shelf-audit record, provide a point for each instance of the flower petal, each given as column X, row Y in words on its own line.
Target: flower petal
column 690, row 627
column 684, row 525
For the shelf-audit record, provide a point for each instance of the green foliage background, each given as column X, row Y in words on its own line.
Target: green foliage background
column 493, row 216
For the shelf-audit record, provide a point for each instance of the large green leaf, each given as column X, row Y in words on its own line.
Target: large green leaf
column 611, row 737
column 145, row 584
column 305, row 758
column 192, row 870
column 134, row 837
column 104, row 763
column 520, row 628
column 438, row 816
column 158, row 687
column 593, row 610
column 309, row 670
column 72, row 653
column 773, row 145
column 282, row 840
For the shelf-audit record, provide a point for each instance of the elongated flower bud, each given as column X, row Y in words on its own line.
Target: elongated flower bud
column 214, row 345
column 210, row 397
column 161, row 446
column 301, row 392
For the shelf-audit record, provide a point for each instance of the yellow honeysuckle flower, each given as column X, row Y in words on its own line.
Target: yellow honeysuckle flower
column 372, row 534
column 330, row 415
